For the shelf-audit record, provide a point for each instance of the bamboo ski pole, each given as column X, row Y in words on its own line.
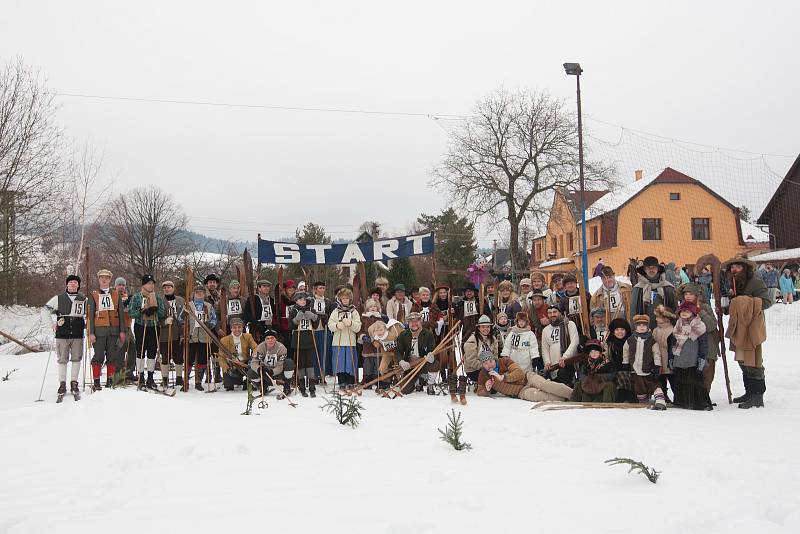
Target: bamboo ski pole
column 319, row 363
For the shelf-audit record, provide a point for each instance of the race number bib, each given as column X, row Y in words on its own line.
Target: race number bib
column 470, row 308
column 305, row 324
column 574, row 305
column 602, row 335
column 286, row 312
column 78, row 308
column 389, row 345
column 270, row 360
column 234, row 307
column 555, row 335
column 319, row 306
column 515, row 340
column 614, row 302
column 172, row 310
column 426, row 314
column 266, row 313
column 201, row 315
column 105, row 302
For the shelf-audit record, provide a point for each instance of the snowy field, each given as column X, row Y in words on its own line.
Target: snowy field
column 126, row 461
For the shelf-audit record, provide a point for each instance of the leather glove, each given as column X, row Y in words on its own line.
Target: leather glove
column 430, row 357
column 404, row 365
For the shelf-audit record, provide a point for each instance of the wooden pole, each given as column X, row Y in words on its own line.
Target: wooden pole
column 18, row 342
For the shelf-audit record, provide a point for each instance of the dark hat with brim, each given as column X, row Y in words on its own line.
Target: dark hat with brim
column 72, row 277
column 743, row 260
column 211, row 277
column 650, row 261
column 593, row 345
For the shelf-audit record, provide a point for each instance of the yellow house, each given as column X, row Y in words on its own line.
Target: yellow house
column 671, row 216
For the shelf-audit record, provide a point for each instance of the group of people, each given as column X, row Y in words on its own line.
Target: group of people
column 636, row 344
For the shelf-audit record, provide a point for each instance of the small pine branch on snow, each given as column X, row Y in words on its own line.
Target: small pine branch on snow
column 8, row 375
column 347, row 409
column 651, row 474
column 452, row 434
column 118, row 379
column 250, row 399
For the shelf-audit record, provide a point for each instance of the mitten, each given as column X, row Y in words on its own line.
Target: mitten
column 430, row 357
column 404, row 365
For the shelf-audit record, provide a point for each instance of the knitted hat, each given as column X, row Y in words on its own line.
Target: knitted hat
column 399, row 287
column 166, row 283
column 234, row 283
column 525, row 282
column 484, row 319
column 270, row 333
column 103, row 272
column 211, row 277
column 641, row 319
column 599, row 312
column 235, row 320
column 288, row 283
column 486, row 355
column 120, row 281
column 688, row 306
column 414, row 316
column 300, row 295
column 72, row 277
column 148, row 278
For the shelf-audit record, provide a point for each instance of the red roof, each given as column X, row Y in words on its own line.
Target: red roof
column 591, row 197
column 671, row 176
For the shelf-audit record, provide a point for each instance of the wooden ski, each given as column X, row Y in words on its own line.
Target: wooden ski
column 186, row 331
column 362, row 273
column 247, row 267
column 230, row 359
column 223, row 310
column 566, row 405
column 716, row 275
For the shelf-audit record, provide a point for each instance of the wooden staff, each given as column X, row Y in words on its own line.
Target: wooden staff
column 716, row 278
column 443, row 345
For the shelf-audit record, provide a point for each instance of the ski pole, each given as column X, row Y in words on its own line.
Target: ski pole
column 41, row 389
column 321, row 371
column 140, row 372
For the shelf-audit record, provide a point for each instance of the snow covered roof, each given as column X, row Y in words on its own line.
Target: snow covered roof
column 615, row 199
column 559, row 261
column 778, row 255
column 753, row 234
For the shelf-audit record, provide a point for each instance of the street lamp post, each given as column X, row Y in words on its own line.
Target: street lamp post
column 574, row 69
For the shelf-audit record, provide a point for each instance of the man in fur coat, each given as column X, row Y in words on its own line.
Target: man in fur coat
column 651, row 290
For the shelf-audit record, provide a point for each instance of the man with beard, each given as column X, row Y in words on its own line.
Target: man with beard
column 467, row 310
column 571, row 302
column 652, row 290
column 234, row 306
column 169, row 337
column 415, row 343
column 212, row 282
column 560, row 341
column 259, row 310
column 749, row 297
column 613, row 296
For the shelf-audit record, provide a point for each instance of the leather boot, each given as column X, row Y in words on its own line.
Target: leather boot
column 198, row 379
column 462, row 389
column 452, row 387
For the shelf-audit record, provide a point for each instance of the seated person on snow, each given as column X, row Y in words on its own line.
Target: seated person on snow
column 241, row 345
column 596, row 375
column 272, row 364
column 382, row 338
column 502, row 375
column 413, row 344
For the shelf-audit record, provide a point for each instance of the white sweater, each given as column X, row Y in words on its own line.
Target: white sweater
column 522, row 347
column 551, row 344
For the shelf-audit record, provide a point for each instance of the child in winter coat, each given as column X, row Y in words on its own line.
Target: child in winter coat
column 687, row 359
column 595, row 375
column 303, row 321
column 787, row 286
column 620, row 332
column 371, row 354
column 345, row 323
column 501, row 324
column 521, row 344
column 383, row 340
column 642, row 356
column 665, row 321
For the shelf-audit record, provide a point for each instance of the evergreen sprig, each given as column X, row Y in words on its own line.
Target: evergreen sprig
column 251, row 399
column 118, row 379
column 8, row 374
column 452, row 434
column 635, row 465
column 347, row 409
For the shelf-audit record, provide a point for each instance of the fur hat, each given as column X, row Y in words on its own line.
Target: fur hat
column 103, row 272
column 345, row 292
column 666, row 313
column 376, row 290
column 505, row 284
column 486, row 355
column 522, row 315
column 211, row 277
column 166, row 283
column 147, row 279
column 370, row 303
column 300, row 295
column 569, row 278
column 591, row 345
column 641, row 319
column 620, row 323
column 72, row 277
column 688, row 306
column 484, row 320
column 537, row 275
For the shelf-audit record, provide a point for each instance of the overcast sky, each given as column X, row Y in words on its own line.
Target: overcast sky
column 721, row 73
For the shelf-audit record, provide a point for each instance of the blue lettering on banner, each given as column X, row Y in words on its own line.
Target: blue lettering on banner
column 383, row 249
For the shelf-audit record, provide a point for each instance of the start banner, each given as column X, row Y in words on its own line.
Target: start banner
column 382, row 249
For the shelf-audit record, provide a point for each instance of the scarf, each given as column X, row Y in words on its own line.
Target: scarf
column 616, row 346
column 344, row 308
column 649, row 286
column 442, row 304
column 687, row 329
column 372, row 314
column 563, row 336
column 593, row 365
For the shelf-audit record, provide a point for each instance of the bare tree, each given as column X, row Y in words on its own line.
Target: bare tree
column 509, row 158
column 144, row 229
column 30, row 180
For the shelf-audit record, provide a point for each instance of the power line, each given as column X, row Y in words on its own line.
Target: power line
column 260, row 106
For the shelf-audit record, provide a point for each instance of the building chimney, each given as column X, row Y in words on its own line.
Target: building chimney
column 638, row 174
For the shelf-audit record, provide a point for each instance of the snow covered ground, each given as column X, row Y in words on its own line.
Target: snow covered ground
column 126, row 461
